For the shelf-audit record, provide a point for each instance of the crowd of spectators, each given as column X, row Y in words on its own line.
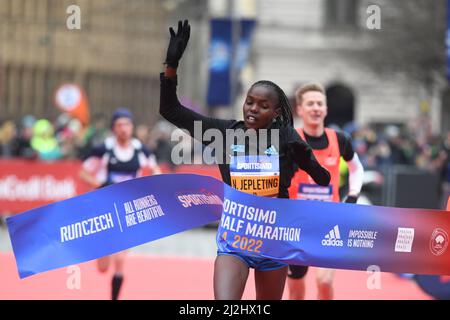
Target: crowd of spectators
column 66, row 138
column 379, row 146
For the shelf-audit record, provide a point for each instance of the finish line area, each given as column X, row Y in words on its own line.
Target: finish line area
column 151, row 277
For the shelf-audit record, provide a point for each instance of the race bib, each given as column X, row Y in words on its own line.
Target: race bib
column 315, row 192
column 257, row 175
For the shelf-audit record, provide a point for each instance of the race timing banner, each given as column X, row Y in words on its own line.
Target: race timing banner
column 313, row 233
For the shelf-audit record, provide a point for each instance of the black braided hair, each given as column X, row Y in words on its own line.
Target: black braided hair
column 286, row 110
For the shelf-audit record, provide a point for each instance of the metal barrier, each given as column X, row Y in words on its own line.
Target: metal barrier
column 410, row 187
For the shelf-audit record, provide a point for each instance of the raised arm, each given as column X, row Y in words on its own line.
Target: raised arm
column 170, row 107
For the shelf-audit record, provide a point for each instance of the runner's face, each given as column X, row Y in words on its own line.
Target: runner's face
column 123, row 129
column 260, row 107
column 313, row 108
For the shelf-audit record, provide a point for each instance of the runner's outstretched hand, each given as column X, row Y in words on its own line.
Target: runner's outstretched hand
column 178, row 43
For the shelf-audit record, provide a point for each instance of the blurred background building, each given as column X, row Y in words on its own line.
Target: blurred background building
column 330, row 42
column 117, row 55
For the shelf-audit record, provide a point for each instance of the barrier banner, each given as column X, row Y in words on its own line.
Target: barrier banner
column 324, row 234
column 28, row 184
column 336, row 235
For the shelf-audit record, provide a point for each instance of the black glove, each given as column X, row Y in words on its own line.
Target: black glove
column 351, row 199
column 177, row 44
column 302, row 154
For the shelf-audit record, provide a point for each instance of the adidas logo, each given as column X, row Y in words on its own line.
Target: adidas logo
column 237, row 148
column 271, row 151
column 333, row 238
